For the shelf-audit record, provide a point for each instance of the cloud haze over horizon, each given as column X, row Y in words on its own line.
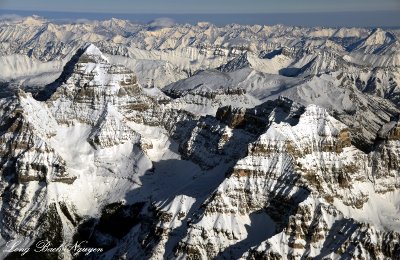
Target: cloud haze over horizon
column 292, row 12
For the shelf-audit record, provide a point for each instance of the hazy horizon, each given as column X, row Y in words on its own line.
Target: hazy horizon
column 339, row 13
column 384, row 19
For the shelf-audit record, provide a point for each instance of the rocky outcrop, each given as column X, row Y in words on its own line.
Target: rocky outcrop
column 93, row 84
column 284, row 171
column 25, row 150
column 111, row 130
column 318, row 230
column 46, row 153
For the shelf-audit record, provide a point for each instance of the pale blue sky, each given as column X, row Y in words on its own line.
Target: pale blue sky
column 201, row 6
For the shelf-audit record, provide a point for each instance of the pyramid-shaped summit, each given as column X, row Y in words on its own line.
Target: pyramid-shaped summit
column 88, row 62
column 92, row 54
column 89, row 83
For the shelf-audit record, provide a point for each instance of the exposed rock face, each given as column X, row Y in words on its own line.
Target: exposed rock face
column 315, row 227
column 112, row 130
column 394, row 133
column 275, row 188
column 25, row 150
column 40, row 163
column 272, row 174
column 385, row 161
column 95, row 83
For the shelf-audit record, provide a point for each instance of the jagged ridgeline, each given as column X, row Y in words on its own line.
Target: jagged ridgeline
column 198, row 141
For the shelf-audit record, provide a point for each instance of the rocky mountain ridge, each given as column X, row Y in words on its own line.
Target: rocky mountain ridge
column 272, row 151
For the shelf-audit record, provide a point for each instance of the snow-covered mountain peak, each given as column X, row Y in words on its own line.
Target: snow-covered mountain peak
column 313, row 112
column 380, row 42
column 116, row 22
column 378, row 36
column 315, row 123
column 92, row 54
column 90, row 67
column 34, row 20
column 203, row 24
